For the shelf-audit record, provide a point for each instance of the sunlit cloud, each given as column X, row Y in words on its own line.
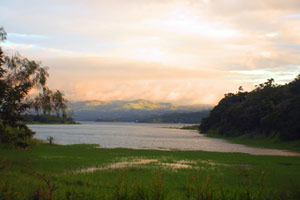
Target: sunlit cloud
column 271, row 35
column 184, row 51
column 14, row 46
column 260, row 76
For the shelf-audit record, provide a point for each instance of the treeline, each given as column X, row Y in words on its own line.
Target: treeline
column 50, row 107
column 49, row 102
column 268, row 110
column 18, row 77
column 47, row 119
column 187, row 118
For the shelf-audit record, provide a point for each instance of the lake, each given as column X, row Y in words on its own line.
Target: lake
column 142, row 136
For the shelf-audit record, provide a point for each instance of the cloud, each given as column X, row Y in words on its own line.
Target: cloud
column 108, row 79
column 19, row 35
column 159, row 49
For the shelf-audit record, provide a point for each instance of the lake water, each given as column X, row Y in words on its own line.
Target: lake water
column 142, row 136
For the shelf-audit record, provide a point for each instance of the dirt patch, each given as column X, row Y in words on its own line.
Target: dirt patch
column 181, row 164
column 141, row 162
column 176, row 165
column 119, row 165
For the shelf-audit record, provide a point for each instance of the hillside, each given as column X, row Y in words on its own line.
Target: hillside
column 186, row 118
column 267, row 111
column 127, row 111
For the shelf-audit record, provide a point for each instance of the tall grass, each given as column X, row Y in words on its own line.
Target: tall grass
column 199, row 186
column 125, row 190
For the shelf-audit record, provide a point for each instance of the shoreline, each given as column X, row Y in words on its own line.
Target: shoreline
column 270, row 152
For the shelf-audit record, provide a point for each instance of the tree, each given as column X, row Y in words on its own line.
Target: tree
column 37, row 104
column 45, row 101
column 268, row 110
column 59, row 104
column 2, row 71
column 49, row 103
column 18, row 76
column 3, row 34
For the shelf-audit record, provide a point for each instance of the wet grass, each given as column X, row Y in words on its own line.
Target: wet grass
column 50, row 172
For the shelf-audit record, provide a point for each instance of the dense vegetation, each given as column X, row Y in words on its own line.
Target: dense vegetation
column 18, row 77
column 47, row 119
column 187, row 118
column 267, row 111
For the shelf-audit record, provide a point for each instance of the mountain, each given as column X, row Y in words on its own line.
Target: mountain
column 127, row 111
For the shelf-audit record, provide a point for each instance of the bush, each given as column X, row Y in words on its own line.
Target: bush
column 15, row 136
column 50, row 140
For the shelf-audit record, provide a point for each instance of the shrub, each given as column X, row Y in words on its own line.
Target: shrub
column 15, row 136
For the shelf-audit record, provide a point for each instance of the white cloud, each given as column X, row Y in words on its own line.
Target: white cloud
column 271, row 35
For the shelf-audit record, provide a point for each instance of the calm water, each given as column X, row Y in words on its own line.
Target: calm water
column 141, row 136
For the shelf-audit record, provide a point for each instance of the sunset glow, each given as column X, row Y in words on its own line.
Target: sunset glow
column 185, row 52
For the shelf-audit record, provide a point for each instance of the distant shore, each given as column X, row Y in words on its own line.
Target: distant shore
column 52, row 123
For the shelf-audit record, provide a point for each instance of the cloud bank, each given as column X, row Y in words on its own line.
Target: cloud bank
column 163, row 50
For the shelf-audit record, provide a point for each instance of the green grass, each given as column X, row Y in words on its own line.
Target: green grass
column 270, row 143
column 32, row 173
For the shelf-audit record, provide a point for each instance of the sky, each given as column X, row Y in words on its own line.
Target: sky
column 179, row 51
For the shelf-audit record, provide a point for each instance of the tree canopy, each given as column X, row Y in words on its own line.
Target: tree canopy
column 18, row 76
column 268, row 110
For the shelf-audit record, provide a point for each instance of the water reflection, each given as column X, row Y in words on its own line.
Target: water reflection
column 143, row 136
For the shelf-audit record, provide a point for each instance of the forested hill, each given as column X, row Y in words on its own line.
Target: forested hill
column 128, row 111
column 268, row 110
column 187, row 118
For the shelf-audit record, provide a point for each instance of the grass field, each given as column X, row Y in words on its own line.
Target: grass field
column 89, row 172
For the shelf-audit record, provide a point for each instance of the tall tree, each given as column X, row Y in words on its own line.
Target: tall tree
column 45, row 101
column 20, row 76
column 2, row 71
column 59, row 104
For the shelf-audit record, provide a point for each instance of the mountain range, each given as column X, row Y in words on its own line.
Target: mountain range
column 128, row 111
